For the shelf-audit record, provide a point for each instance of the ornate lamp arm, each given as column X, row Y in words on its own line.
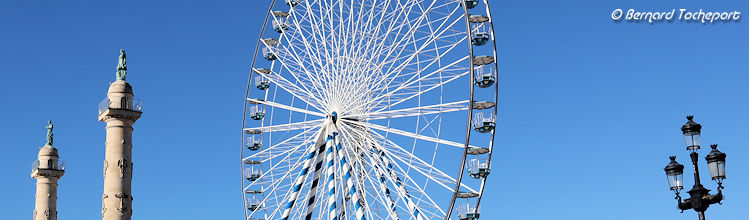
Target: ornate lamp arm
column 717, row 198
column 685, row 205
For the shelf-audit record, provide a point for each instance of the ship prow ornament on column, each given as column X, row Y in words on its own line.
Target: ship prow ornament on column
column 47, row 170
column 119, row 110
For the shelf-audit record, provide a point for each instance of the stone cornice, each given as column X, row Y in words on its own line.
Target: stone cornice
column 119, row 113
column 47, row 173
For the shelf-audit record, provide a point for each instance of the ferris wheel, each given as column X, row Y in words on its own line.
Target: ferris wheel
column 370, row 109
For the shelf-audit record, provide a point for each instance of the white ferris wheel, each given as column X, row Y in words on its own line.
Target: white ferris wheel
column 370, row 109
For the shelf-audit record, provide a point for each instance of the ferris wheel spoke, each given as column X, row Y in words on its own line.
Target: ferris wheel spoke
column 286, row 107
column 412, row 27
column 409, row 71
column 376, row 203
column 433, row 35
column 399, row 190
column 318, row 34
column 287, row 127
column 294, row 90
column 397, row 99
column 423, row 199
column 424, row 85
column 301, row 73
column 426, row 169
column 288, row 154
column 300, row 67
column 377, row 45
column 407, row 89
column 387, row 167
column 383, row 196
column 361, row 27
column 286, row 148
column 426, row 82
column 407, row 134
column 392, row 29
column 416, row 111
column 319, row 19
column 317, row 62
column 370, row 42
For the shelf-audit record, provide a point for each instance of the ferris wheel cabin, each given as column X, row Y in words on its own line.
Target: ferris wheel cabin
column 279, row 24
column 252, row 173
column 269, row 51
column 468, row 212
column 293, row 3
column 257, row 112
column 261, row 83
column 253, row 203
column 478, row 169
column 471, row 3
column 254, row 144
column 484, row 76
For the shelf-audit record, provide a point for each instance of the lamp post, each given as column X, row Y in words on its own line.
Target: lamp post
column 700, row 198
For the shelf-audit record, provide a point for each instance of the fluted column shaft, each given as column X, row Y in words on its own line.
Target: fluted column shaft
column 118, row 168
column 117, row 199
column 46, row 198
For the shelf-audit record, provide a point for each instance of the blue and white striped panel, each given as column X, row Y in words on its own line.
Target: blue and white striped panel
column 315, row 182
column 298, row 182
column 331, row 180
column 350, row 181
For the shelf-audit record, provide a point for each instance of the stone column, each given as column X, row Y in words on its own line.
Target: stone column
column 119, row 111
column 47, row 170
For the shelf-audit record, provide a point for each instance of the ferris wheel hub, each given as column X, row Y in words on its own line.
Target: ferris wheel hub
column 333, row 117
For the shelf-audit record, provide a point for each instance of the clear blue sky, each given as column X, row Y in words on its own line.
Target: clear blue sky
column 590, row 108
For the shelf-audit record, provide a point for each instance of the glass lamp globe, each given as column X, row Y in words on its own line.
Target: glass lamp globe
column 675, row 174
column 716, row 161
column 691, row 131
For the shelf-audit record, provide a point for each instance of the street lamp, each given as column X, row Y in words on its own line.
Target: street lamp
column 691, row 132
column 716, row 161
column 675, row 175
column 700, row 198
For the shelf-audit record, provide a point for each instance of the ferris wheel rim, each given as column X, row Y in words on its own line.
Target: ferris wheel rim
column 496, row 96
column 470, row 103
column 244, row 109
column 470, row 114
